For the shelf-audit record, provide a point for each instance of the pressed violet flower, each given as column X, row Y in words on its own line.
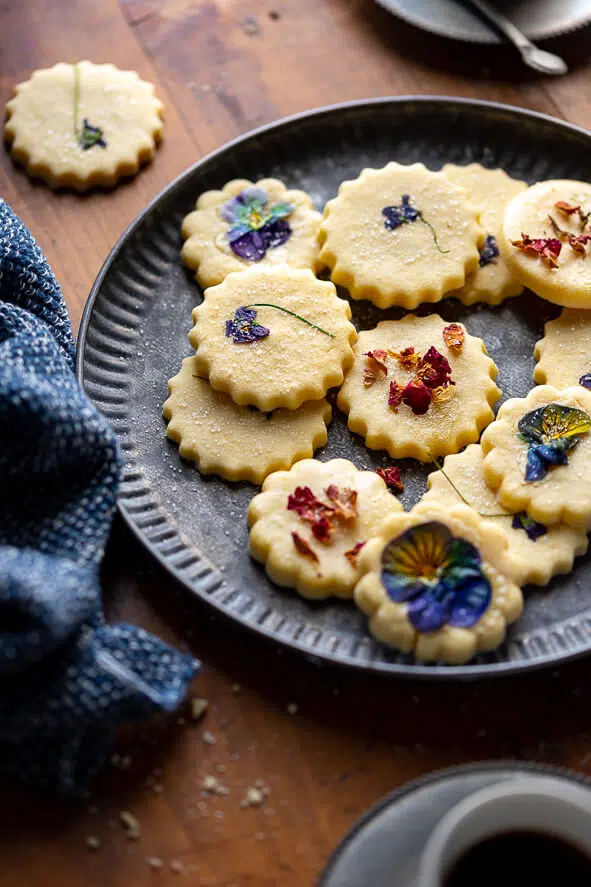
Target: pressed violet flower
column 522, row 521
column 391, row 477
column 453, row 336
column 438, row 575
column 548, row 248
column 551, row 431
column 395, row 393
column 404, row 214
column 585, row 381
column 88, row 136
column 255, row 227
column 375, row 366
column 304, row 548
column 417, row 396
column 353, row 553
column 489, row 252
column 244, row 328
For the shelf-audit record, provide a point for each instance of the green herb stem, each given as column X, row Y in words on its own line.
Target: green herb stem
column 432, row 229
column 462, row 497
column 292, row 314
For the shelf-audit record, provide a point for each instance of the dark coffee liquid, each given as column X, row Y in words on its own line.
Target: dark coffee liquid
column 521, row 859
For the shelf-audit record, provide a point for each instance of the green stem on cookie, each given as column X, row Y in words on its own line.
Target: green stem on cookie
column 462, row 497
column 432, row 229
column 292, row 314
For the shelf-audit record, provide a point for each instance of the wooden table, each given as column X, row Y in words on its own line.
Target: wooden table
column 222, row 68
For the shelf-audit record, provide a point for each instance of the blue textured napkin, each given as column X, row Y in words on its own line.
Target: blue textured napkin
column 67, row 679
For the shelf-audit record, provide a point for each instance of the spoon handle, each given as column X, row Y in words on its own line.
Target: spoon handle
column 503, row 24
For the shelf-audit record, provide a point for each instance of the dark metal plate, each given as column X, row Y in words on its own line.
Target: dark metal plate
column 538, row 19
column 383, row 849
column 134, row 336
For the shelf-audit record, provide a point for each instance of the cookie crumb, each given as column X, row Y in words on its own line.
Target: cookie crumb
column 157, row 788
column 208, row 738
column 92, row 842
column 254, row 797
column 274, row 15
column 236, row 689
column 220, row 768
column 176, row 867
column 250, row 26
column 292, row 708
column 199, row 707
column 130, row 824
column 211, row 785
column 154, row 862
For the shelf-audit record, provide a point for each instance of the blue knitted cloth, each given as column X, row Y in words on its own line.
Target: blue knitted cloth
column 67, row 679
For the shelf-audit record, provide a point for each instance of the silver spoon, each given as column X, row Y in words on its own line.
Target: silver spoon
column 538, row 59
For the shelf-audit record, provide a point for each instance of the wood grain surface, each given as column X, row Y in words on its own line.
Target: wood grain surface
column 326, row 743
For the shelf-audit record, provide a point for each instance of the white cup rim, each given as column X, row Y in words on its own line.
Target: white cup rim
column 554, row 791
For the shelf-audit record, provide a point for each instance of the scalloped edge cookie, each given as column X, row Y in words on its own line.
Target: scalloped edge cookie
column 562, row 496
column 361, row 270
column 564, row 353
column 387, row 619
column 272, row 523
column 64, row 163
column 183, row 409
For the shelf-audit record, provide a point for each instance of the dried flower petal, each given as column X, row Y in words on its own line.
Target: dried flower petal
column 408, row 357
column 323, row 528
column 344, row 502
column 376, row 365
column 453, row 336
column 353, row 553
column 567, row 208
column 391, row 477
column 435, row 370
column 577, row 242
column 489, row 252
column 305, row 503
column 585, row 380
column 395, row 395
column 417, row 396
column 304, row 548
column 548, row 248
column 441, row 394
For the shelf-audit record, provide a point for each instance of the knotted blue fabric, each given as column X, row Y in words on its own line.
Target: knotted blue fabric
column 67, row 679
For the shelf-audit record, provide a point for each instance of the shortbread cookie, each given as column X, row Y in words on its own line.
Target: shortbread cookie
column 238, row 443
column 310, row 524
column 433, row 586
column 535, row 553
column 273, row 337
column 246, row 223
column 400, row 235
column 489, row 190
column 419, row 387
column 83, row 125
column 564, row 354
column 537, row 455
column 546, row 241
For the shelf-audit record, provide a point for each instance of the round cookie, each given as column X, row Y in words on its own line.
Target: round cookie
column 564, row 354
column 251, row 346
column 489, row 190
column 537, row 455
column 400, row 235
column 433, row 587
column 309, row 525
column 408, row 406
column 249, row 223
column 235, row 442
column 545, row 241
column 83, row 125
column 535, row 553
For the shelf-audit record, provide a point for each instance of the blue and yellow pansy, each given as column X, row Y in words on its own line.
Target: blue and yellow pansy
column 551, row 431
column 255, row 227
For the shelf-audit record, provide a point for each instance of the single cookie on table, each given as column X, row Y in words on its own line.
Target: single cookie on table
column 545, row 241
column 309, row 525
column 248, row 223
column 537, row 455
column 238, row 443
column 433, row 585
column 400, row 235
column 535, row 553
column 419, row 387
column 489, row 190
column 83, row 125
column 273, row 337
column 564, row 354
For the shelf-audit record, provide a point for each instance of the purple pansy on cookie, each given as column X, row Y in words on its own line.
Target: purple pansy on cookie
column 255, row 227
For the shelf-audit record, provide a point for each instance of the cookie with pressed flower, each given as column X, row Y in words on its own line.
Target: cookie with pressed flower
column 535, row 552
column 564, row 354
column 546, row 241
column 83, row 125
column 310, row 524
column 273, row 337
column 490, row 190
column 400, row 235
column 419, row 387
column 245, row 224
column 433, row 585
column 537, row 455
column 238, row 443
